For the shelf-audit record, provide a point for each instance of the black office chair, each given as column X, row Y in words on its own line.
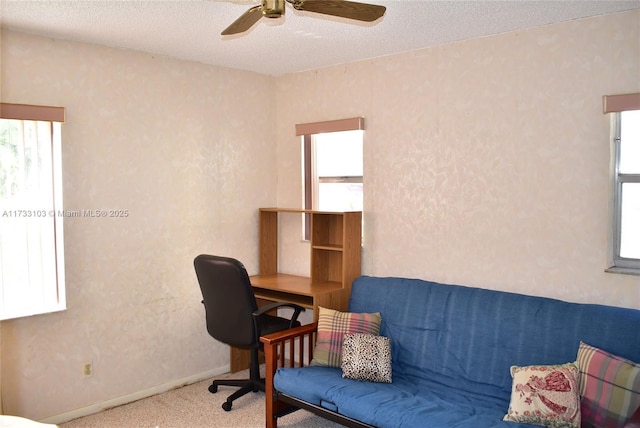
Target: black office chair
column 233, row 316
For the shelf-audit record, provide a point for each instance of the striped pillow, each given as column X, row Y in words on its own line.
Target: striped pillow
column 332, row 326
column 609, row 387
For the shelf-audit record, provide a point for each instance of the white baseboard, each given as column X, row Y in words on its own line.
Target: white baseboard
column 134, row 396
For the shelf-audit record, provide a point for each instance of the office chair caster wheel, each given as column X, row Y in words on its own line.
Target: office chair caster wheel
column 213, row 388
column 226, row 406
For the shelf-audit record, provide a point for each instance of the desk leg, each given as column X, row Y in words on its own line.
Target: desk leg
column 239, row 359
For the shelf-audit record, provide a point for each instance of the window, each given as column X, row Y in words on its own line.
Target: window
column 333, row 165
column 31, row 234
column 337, row 182
column 625, row 122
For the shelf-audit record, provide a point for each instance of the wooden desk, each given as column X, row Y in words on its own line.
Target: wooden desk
column 292, row 289
column 336, row 247
column 301, row 290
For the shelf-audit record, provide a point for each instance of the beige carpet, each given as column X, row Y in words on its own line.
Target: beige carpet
column 193, row 406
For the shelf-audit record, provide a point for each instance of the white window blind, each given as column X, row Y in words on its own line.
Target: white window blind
column 31, row 227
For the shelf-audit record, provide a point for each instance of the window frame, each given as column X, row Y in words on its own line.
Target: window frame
column 54, row 294
column 615, row 105
column 307, row 131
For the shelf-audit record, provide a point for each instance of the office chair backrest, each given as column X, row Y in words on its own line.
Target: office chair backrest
column 228, row 300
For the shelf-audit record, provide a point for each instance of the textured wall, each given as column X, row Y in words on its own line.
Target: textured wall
column 486, row 161
column 174, row 143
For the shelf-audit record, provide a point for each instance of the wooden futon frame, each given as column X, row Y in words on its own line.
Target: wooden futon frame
column 287, row 349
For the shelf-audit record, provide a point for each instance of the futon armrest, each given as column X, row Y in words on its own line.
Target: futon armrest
column 286, row 335
column 289, row 348
column 286, row 348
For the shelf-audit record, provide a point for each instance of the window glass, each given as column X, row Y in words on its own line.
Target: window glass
column 339, row 154
column 339, row 171
column 630, row 142
column 340, row 196
column 629, row 170
column 630, row 221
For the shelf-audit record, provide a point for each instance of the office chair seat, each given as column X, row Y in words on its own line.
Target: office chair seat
column 233, row 316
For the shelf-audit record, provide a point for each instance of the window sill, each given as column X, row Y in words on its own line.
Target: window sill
column 623, row 270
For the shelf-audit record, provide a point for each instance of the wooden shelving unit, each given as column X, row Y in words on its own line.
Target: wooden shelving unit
column 336, row 257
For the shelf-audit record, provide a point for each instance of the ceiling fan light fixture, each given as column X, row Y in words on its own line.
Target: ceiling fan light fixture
column 273, row 8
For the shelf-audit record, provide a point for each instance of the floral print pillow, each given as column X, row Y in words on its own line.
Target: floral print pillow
column 545, row 395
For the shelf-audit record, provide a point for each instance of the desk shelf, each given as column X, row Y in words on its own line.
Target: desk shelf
column 335, row 258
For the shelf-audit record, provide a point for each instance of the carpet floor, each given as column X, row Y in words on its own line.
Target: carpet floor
column 193, row 406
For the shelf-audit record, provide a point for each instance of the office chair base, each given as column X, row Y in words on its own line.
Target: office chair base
column 246, row 387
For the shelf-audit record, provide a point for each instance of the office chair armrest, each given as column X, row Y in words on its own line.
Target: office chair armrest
column 296, row 310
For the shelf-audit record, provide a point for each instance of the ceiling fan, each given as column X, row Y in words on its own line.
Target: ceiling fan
column 275, row 9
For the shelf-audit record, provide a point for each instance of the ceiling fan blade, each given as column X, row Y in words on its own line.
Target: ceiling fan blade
column 246, row 21
column 345, row 9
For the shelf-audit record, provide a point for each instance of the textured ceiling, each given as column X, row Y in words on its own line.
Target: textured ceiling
column 190, row 29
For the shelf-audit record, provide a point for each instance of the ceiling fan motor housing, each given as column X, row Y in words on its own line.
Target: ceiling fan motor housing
column 276, row 8
column 273, row 8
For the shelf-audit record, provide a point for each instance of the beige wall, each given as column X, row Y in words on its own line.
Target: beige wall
column 486, row 163
column 186, row 148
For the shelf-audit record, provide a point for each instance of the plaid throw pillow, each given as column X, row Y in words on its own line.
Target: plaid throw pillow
column 332, row 326
column 609, row 386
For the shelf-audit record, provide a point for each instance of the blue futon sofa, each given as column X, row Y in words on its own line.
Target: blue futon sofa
column 452, row 349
